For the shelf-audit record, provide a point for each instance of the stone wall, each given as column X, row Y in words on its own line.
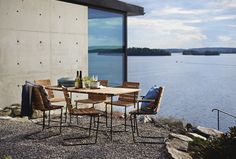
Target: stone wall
column 40, row 39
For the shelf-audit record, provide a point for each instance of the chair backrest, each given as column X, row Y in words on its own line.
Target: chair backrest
column 129, row 97
column 158, row 99
column 45, row 82
column 68, row 99
column 98, row 96
column 37, row 100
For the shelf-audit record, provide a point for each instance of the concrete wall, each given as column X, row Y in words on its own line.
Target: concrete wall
column 40, row 39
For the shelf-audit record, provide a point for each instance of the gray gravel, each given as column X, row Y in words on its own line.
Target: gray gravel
column 14, row 143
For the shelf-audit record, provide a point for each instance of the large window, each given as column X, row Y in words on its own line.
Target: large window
column 106, row 45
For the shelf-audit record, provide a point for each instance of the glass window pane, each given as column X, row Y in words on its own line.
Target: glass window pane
column 106, row 55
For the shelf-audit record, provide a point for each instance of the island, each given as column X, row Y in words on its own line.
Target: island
column 205, row 53
column 147, row 52
column 134, row 51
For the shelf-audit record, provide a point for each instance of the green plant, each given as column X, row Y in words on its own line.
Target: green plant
column 219, row 148
column 7, row 157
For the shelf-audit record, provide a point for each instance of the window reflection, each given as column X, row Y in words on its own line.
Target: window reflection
column 106, row 45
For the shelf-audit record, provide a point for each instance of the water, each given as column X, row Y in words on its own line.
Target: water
column 194, row 85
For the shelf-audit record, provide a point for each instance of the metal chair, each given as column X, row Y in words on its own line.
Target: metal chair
column 80, row 112
column 133, row 115
column 45, row 83
column 40, row 102
column 125, row 100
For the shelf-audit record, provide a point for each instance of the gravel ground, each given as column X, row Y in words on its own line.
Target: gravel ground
column 13, row 142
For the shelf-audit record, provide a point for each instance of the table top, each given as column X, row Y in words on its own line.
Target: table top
column 104, row 91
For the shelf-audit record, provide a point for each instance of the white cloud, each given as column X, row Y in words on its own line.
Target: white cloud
column 224, row 38
column 165, row 33
column 177, row 10
column 183, row 24
column 233, row 26
column 105, row 40
column 225, row 17
column 224, row 4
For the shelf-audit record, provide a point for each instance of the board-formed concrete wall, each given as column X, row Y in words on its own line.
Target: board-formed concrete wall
column 40, row 39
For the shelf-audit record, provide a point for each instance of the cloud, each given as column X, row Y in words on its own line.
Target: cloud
column 224, row 38
column 223, row 4
column 102, row 41
column 225, row 17
column 178, row 10
column 183, row 23
column 164, row 33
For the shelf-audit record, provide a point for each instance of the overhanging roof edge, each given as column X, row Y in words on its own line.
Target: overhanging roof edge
column 130, row 9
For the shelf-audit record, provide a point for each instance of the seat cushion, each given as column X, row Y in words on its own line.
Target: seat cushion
column 151, row 94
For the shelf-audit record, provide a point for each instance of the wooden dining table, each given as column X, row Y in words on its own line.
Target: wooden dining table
column 108, row 91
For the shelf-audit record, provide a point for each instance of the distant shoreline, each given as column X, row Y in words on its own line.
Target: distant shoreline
column 134, row 51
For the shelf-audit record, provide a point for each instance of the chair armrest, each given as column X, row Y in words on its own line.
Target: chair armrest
column 145, row 100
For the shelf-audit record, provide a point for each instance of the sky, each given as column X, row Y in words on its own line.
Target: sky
column 183, row 24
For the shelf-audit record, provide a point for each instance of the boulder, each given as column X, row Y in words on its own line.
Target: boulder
column 181, row 137
column 5, row 112
column 37, row 114
column 16, row 111
column 6, row 118
column 176, row 154
column 178, row 144
column 194, row 135
column 207, row 132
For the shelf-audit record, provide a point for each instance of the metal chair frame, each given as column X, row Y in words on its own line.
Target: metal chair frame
column 134, row 114
column 38, row 104
column 127, row 99
column 80, row 112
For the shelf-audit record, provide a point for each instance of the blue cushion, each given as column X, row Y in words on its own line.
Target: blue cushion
column 151, row 94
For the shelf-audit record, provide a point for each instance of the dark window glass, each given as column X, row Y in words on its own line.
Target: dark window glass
column 106, row 54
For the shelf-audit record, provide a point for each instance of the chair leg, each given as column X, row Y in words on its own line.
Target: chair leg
column 132, row 126
column 90, row 125
column 136, row 124
column 61, row 121
column 66, row 115
column 70, row 118
column 77, row 118
column 49, row 117
column 97, row 131
column 106, row 113
column 43, row 120
column 94, row 122
column 125, row 118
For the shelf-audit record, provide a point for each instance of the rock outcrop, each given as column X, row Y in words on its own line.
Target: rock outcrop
column 177, row 145
column 207, row 132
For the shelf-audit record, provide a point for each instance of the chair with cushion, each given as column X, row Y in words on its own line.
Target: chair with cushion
column 41, row 102
column 45, row 83
column 125, row 100
column 150, row 106
column 73, row 111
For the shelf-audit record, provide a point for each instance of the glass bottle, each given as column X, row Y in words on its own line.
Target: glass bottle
column 80, row 80
column 77, row 80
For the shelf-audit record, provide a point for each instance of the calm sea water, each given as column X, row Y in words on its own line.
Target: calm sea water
column 194, row 85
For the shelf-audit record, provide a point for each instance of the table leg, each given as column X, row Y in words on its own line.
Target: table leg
column 111, row 115
column 134, row 99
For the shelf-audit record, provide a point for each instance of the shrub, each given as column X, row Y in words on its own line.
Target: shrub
column 217, row 148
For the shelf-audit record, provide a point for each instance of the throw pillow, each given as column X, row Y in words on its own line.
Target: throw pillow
column 151, row 94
